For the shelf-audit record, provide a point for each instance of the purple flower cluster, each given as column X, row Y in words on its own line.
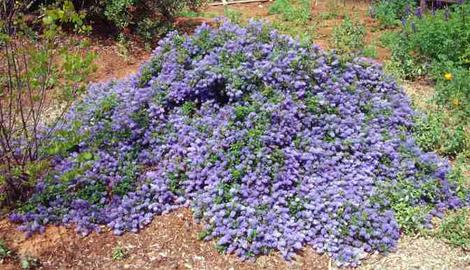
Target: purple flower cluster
column 273, row 145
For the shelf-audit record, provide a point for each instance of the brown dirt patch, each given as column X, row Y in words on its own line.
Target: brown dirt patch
column 116, row 62
column 249, row 10
column 113, row 63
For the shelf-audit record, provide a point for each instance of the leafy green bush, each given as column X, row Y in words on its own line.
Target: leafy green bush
column 403, row 63
column 370, row 51
column 389, row 12
column 294, row 11
column 432, row 39
column 402, row 195
column 124, row 13
column 348, row 37
column 294, row 15
column 388, row 38
column 143, row 16
column 305, row 33
column 40, row 75
column 440, row 37
column 437, row 45
column 453, row 91
column 234, row 16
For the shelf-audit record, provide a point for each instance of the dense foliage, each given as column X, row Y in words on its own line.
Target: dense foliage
column 294, row 18
column 148, row 18
column 438, row 39
column 298, row 11
column 389, row 12
column 273, row 145
column 348, row 37
column 436, row 45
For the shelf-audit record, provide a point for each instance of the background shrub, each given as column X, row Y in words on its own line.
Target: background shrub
column 389, row 12
column 455, row 229
column 432, row 39
column 146, row 17
column 40, row 75
column 295, row 11
column 348, row 37
column 435, row 45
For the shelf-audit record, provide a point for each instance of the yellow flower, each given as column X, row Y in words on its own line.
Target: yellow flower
column 448, row 76
column 456, row 102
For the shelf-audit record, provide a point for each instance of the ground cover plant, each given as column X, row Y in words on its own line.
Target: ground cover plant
column 272, row 144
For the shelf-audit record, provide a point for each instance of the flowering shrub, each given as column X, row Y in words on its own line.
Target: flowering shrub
column 273, row 145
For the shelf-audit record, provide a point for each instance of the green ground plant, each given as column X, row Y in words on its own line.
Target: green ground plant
column 28, row 262
column 403, row 64
column 305, row 33
column 455, row 229
column 435, row 45
column 370, row 51
column 119, row 253
column 5, row 252
column 191, row 13
column 348, row 37
column 441, row 132
column 234, row 16
column 293, row 18
column 292, row 11
column 453, row 92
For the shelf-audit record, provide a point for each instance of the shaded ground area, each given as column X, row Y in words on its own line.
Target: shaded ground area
column 170, row 242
